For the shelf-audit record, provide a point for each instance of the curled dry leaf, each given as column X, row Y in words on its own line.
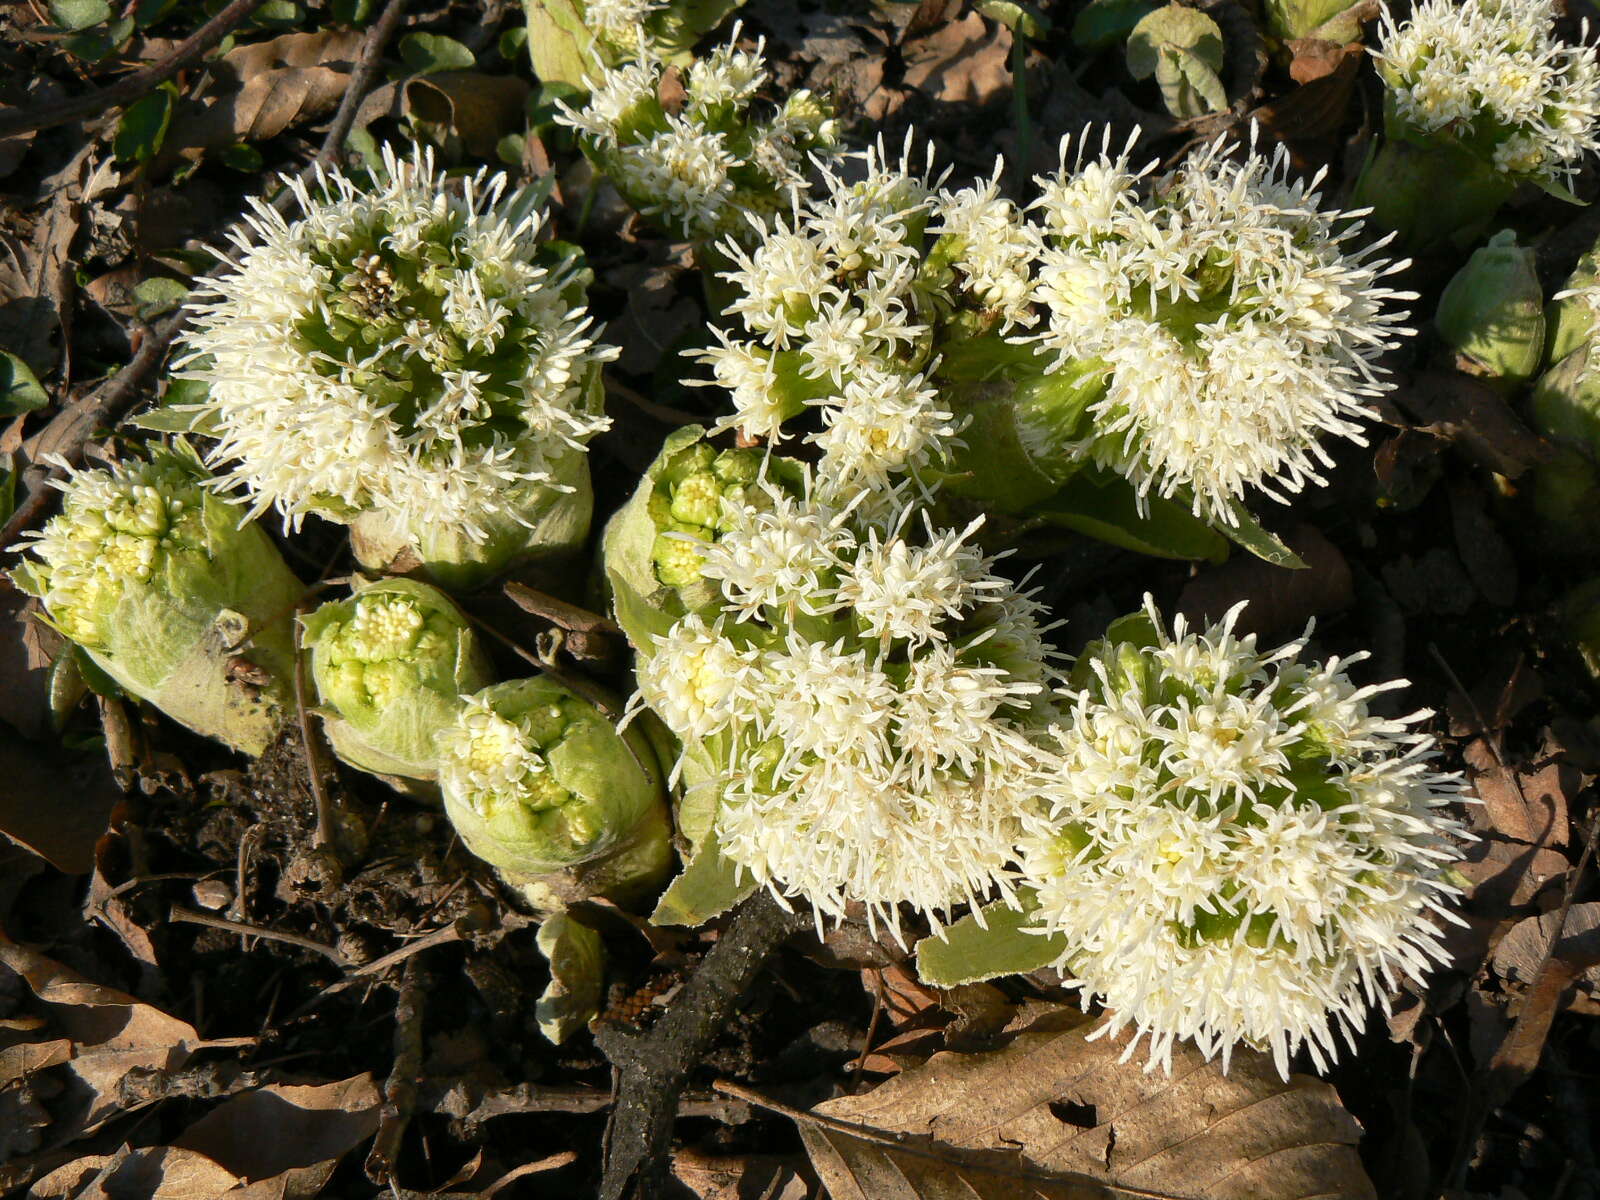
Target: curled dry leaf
column 961, row 61
column 1055, row 1115
column 1517, row 957
column 109, row 1033
column 1524, row 802
column 266, row 87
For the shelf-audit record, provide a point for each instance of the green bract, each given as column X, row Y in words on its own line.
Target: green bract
column 537, row 781
column 391, row 665
column 1565, row 409
column 570, row 40
column 171, row 594
column 1492, row 310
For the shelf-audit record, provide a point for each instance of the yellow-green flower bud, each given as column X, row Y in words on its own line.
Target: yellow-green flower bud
column 391, row 665
column 689, row 497
column 536, row 780
column 1492, row 311
column 172, row 593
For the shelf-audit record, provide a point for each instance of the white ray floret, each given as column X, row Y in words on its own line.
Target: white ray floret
column 865, row 696
column 1240, row 322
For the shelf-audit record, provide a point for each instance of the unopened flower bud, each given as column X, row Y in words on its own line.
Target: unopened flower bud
column 178, row 598
column 391, row 665
column 1492, row 310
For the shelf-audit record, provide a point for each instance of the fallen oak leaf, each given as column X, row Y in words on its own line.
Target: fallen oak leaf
column 1055, row 1114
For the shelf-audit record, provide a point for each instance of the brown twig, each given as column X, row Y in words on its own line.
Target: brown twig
column 354, row 93
column 327, row 826
column 400, row 1089
column 124, row 91
column 651, row 1067
column 190, row 916
column 452, row 1098
column 69, row 429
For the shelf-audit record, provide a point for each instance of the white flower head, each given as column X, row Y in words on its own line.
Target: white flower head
column 408, row 349
column 712, row 166
column 1491, row 76
column 1237, row 848
column 862, row 696
column 1239, row 324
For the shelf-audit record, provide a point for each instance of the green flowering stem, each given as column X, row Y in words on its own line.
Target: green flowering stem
column 1434, row 196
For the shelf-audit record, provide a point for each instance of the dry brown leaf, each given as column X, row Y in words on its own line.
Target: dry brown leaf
column 1526, row 803
column 752, row 1177
column 285, row 1131
column 157, row 1172
column 63, row 834
column 960, row 62
column 1054, row 1104
column 1509, row 875
column 1471, row 414
column 268, row 86
column 1317, row 58
column 1520, row 952
column 111, row 1034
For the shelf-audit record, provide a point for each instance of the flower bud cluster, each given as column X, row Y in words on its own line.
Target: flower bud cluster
column 700, row 493
column 169, row 589
column 706, row 165
column 1491, row 77
column 867, row 692
column 410, row 349
column 391, row 664
column 1235, row 847
column 536, row 779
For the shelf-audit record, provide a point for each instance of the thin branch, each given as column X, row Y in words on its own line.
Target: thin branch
column 189, row 916
column 651, row 1068
column 70, row 428
column 355, row 92
column 123, row 92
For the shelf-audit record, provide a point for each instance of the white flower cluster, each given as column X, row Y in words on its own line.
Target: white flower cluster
column 841, row 303
column 1491, row 76
column 408, row 349
column 867, row 694
column 706, row 166
column 1237, row 849
column 1225, row 313
column 1236, row 323
column 496, row 764
column 620, row 24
